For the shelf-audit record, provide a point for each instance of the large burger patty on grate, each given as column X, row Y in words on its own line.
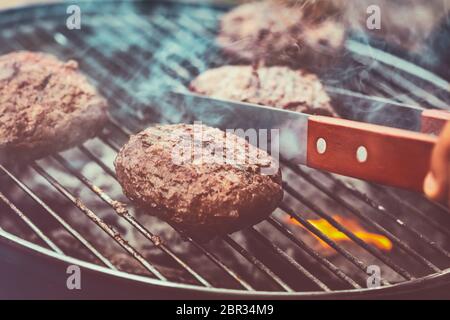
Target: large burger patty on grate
column 279, row 87
column 203, row 195
column 276, row 32
column 45, row 106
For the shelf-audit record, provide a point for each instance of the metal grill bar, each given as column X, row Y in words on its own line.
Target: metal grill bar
column 392, row 217
column 197, row 35
column 376, row 253
column 99, row 222
column 370, row 222
column 95, row 57
column 399, row 64
column 30, row 224
column 61, row 221
column 216, row 261
column 305, row 223
column 104, row 62
column 100, row 65
column 384, row 90
column 289, row 259
column 410, row 87
column 256, row 262
column 94, row 158
column 427, row 219
column 163, row 26
column 323, row 261
column 440, row 206
column 109, row 142
column 384, row 59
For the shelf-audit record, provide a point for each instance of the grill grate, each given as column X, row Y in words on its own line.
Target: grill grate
column 157, row 47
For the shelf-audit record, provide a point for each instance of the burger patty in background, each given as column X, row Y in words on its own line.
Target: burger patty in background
column 204, row 194
column 45, row 106
column 280, row 87
column 277, row 32
column 311, row 34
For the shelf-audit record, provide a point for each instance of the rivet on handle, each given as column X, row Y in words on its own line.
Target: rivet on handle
column 321, row 146
column 361, row 154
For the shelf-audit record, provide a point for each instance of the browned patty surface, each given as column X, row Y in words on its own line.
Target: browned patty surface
column 281, row 87
column 45, row 106
column 275, row 32
column 205, row 198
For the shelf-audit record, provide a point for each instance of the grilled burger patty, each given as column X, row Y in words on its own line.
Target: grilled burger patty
column 207, row 197
column 279, row 87
column 45, row 106
column 276, row 32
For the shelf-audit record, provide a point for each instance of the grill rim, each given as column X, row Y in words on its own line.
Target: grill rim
column 429, row 281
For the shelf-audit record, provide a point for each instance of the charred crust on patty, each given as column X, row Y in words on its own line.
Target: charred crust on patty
column 203, row 199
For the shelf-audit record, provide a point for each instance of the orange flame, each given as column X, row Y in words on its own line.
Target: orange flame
column 325, row 227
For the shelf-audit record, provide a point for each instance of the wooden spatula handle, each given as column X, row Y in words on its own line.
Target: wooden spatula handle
column 374, row 153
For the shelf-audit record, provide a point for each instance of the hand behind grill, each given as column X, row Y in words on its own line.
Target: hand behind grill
column 436, row 184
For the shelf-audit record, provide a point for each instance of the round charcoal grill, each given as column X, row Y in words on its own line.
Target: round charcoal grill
column 68, row 209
